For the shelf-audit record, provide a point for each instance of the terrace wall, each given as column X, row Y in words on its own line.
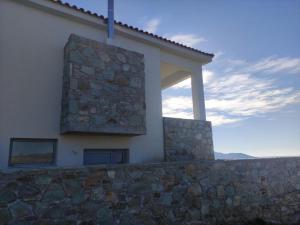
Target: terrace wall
column 211, row 192
column 186, row 139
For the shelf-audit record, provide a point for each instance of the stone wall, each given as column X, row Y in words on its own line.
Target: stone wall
column 178, row 193
column 187, row 139
column 103, row 89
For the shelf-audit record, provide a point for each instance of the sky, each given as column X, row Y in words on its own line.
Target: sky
column 252, row 87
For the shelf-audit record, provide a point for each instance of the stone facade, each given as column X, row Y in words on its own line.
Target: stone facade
column 103, row 89
column 178, row 193
column 187, row 139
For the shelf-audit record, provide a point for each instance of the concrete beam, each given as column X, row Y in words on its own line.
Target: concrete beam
column 174, row 79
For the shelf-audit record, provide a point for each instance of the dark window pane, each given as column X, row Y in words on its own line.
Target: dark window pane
column 104, row 156
column 92, row 157
column 117, row 157
column 30, row 151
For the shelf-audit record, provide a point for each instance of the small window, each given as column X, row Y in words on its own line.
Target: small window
column 25, row 152
column 105, row 156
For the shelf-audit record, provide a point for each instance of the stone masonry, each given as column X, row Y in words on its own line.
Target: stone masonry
column 178, row 193
column 103, row 89
column 187, row 139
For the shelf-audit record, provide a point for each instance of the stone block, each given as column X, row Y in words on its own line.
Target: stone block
column 5, row 216
column 20, row 210
column 103, row 89
column 7, row 196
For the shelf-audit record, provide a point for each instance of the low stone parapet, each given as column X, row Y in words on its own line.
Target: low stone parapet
column 177, row 193
column 186, row 139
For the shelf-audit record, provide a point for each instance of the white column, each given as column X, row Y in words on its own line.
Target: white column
column 198, row 95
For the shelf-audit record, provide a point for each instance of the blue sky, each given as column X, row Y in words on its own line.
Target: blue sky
column 252, row 87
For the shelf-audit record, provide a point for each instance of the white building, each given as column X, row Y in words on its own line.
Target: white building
column 32, row 40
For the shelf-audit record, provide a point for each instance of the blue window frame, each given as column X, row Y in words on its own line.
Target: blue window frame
column 105, row 156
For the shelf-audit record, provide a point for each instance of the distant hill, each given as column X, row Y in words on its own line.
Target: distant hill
column 232, row 156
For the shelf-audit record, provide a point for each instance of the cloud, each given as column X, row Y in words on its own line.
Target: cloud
column 152, row 25
column 178, row 107
column 218, row 55
column 268, row 65
column 241, row 90
column 187, row 39
column 182, row 107
column 208, row 75
column 219, row 119
column 243, row 96
column 276, row 65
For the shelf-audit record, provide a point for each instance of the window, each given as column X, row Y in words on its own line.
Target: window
column 24, row 151
column 105, row 156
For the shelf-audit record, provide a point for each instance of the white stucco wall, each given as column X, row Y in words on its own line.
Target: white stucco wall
column 31, row 70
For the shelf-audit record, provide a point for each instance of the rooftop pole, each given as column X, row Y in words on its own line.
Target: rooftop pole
column 110, row 17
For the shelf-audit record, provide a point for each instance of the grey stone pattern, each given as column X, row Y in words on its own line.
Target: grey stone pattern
column 103, row 89
column 186, row 139
column 172, row 193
